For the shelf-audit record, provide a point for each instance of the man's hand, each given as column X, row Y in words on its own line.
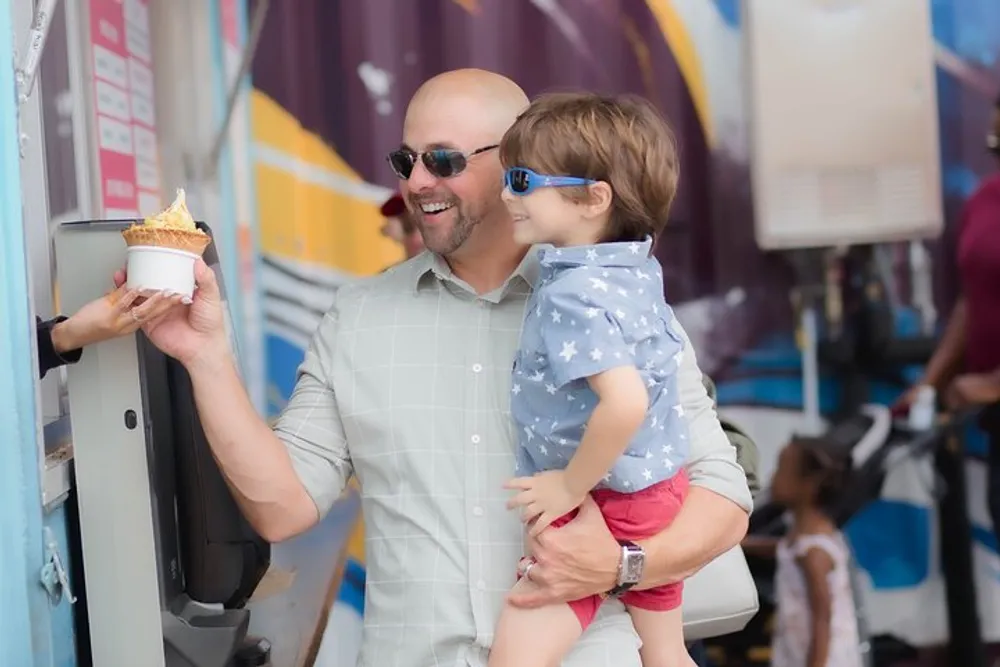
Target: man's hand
column 543, row 498
column 573, row 561
column 194, row 333
column 973, row 389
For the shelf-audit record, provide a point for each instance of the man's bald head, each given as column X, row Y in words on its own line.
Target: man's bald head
column 493, row 99
column 467, row 111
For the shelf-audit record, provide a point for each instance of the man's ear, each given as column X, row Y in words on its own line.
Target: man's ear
column 599, row 198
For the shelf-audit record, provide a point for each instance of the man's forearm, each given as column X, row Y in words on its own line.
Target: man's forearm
column 707, row 526
column 252, row 458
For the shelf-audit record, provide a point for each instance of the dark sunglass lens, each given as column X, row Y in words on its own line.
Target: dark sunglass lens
column 520, row 181
column 402, row 163
column 444, row 164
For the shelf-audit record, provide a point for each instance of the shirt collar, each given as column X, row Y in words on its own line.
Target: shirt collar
column 625, row 254
column 429, row 266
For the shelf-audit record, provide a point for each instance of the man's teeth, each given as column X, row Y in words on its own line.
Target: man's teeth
column 435, row 207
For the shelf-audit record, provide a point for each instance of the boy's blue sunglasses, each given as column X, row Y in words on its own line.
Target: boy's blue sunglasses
column 521, row 181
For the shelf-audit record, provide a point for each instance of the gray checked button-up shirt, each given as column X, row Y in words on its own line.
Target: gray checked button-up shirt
column 406, row 384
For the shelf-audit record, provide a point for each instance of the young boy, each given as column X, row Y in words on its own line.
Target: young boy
column 594, row 393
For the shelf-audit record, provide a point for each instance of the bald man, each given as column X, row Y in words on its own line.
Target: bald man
column 406, row 386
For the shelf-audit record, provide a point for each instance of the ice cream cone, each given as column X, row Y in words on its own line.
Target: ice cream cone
column 163, row 248
column 179, row 239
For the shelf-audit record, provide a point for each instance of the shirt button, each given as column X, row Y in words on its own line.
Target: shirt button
column 476, row 368
column 477, row 511
column 475, row 439
column 481, row 585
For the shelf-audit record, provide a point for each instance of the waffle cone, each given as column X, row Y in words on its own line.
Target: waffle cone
column 178, row 239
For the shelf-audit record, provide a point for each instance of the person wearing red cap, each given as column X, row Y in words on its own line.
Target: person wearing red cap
column 399, row 226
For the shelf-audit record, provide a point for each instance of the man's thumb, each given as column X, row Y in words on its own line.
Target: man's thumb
column 204, row 278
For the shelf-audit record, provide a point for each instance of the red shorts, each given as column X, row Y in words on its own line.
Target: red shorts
column 636, row 516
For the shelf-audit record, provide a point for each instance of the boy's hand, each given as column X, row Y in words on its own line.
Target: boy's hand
column 543, row 498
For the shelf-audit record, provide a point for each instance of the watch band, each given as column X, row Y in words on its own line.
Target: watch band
column 630, row 567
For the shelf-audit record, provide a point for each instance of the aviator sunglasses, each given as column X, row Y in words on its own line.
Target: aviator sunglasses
column 440, row 162
column 521, row 181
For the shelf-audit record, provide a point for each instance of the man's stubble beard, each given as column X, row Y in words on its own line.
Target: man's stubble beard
column 447, row 242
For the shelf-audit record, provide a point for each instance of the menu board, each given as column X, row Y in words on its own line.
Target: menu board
column 123, row 108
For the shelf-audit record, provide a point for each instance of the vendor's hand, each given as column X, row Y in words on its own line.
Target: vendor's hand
column 573, row 561
column 195, row 333
column 973, row 389
column 543, row 498
column 119, row 313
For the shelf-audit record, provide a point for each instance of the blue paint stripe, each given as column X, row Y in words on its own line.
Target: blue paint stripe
column 226, row 225
column 24, row 623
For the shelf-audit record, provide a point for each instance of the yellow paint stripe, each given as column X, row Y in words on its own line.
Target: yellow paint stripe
column 682, row 46
column 303, row 221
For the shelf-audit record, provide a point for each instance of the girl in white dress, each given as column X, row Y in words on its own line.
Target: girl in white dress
column 815, row 620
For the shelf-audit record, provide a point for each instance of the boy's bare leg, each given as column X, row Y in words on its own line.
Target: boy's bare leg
column 534, row 637
column 662, row 635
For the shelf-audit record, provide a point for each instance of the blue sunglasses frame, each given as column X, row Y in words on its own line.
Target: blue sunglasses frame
column 536, row 180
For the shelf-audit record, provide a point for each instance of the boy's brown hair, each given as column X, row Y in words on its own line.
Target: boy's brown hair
column 623, row 141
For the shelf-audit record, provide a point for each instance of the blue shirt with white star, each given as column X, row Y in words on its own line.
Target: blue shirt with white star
column 595, row 308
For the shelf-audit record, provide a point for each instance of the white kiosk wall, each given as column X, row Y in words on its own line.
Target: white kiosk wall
column 843, row 122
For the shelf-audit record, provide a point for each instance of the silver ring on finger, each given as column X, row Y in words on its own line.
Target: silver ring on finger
column 527, row 569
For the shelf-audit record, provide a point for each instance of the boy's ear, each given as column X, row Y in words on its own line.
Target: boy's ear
column 599, row 198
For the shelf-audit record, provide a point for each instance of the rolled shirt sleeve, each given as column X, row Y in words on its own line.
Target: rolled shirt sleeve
column 712, row 462
column 310, row 426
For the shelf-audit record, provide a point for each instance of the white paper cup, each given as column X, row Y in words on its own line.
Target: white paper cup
column 159, row 269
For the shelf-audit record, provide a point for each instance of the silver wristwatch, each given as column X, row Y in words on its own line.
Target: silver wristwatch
column 630, row 567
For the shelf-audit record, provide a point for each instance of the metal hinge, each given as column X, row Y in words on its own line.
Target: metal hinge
column 53, row 576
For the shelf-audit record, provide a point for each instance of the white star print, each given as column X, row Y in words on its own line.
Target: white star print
column 619, row 314
column 648, row 366
column 654, row 421
column 678, row 358
column 551, row 388
column 649, row 454
column 643, row 321
column 647, row 474
column 538, row 376
column 605, row 274
column 568, row 350
column 634, row 248
column 627, row 484
column 668, row 449
column 554, row 424
column 622, row 292
column 556, row 317
column 529, row 433
column 631, row 349
column 544, row 450
column 668, row 464
column 679, row 409
column 591, row 254
column 652, row 383
column 596, row 354
column 640, row 275
column 593, row 312
column 597, row 283
column 516, row 389
column 607, row 478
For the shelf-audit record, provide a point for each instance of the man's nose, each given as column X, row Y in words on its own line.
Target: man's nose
column 420, row 178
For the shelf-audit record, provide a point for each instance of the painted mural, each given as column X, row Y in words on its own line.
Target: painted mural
column 331, row 82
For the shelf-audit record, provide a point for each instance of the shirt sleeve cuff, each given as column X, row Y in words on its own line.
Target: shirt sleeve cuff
column 46, row 349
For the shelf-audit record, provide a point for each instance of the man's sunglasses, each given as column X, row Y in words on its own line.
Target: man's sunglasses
column 522, row 182
column 440, row 162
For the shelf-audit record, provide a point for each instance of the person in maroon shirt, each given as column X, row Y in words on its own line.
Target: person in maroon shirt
column 966, row 364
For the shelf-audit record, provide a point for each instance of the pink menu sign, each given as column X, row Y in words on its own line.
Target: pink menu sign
column 123, row 108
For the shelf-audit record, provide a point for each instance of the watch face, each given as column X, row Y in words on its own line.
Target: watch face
column 632, row 572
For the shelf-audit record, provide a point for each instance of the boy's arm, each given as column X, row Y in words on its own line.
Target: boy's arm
column 622, row 402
